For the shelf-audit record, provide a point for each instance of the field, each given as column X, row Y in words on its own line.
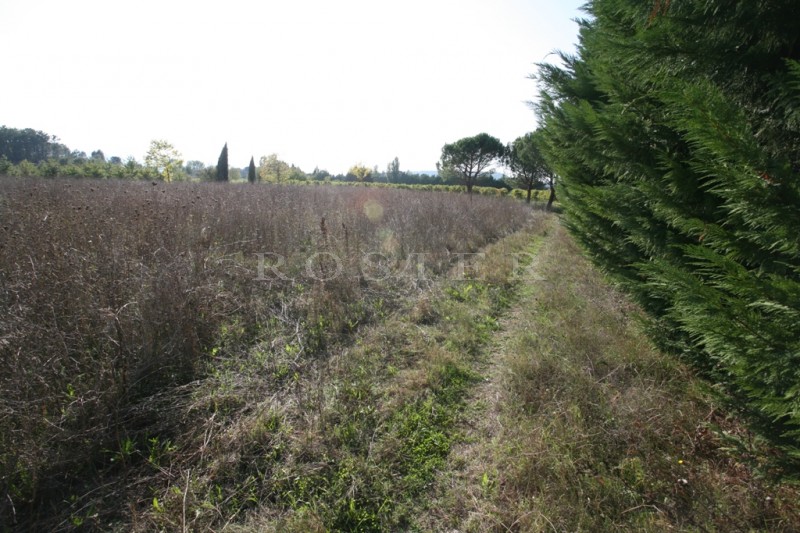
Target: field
column 218, row 357
column 134, row 311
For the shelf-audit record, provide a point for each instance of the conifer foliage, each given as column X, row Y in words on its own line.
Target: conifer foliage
column 675, row 130
column 222, row 164
column 252, row 177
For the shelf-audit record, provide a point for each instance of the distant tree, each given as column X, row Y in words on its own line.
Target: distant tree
column 525, row 159
column 26, row 169
column 447, row 175
column 360, row 173
column 222, row 164
column 98, row 155
column 131, row 167
column 5, row 165
column 115, row 160
column 296, row 174
column 194, row 167
column 320, row 175
column 115, row 171
column 471, row 157
column 208, row 173
column 94, row 168
column 393, row 171
column 28, row 144
column 164, row 159
column 251, row 171
column 272, row 169
column 50, row 168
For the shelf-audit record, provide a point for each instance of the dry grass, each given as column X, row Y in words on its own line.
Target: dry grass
column 135, row 336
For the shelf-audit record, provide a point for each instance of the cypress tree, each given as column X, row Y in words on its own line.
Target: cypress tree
column 222, row 164
column 251, row 171
column 675, row 130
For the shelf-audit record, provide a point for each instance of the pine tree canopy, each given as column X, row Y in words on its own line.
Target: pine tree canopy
column 675, row 130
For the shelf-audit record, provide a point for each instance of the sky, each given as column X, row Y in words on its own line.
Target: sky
column 321, row 83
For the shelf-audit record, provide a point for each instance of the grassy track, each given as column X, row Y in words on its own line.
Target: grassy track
column 390, row 407
column 523, row 399
column 581, row 425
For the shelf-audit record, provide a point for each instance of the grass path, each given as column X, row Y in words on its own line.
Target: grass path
column 356, row 442
column 461, row 491
column 524, row 397
column 579, row 424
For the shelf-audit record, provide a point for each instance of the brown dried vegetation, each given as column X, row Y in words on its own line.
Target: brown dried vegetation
column 120, row 301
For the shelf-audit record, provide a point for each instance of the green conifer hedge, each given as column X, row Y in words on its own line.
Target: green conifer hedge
column 675, row 130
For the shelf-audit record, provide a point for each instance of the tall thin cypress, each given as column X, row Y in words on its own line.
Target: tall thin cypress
column 222, row 164
column 251, row 171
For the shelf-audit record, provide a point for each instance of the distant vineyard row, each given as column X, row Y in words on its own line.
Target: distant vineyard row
column 137, row 172
column 537, row 195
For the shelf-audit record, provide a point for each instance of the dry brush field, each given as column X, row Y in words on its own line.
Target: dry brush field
column 134, row 313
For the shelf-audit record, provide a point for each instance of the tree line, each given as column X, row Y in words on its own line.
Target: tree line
column 675, row 131
column 468, row 162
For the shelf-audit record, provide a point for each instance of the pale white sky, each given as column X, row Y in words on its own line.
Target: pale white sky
column 319, row 82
